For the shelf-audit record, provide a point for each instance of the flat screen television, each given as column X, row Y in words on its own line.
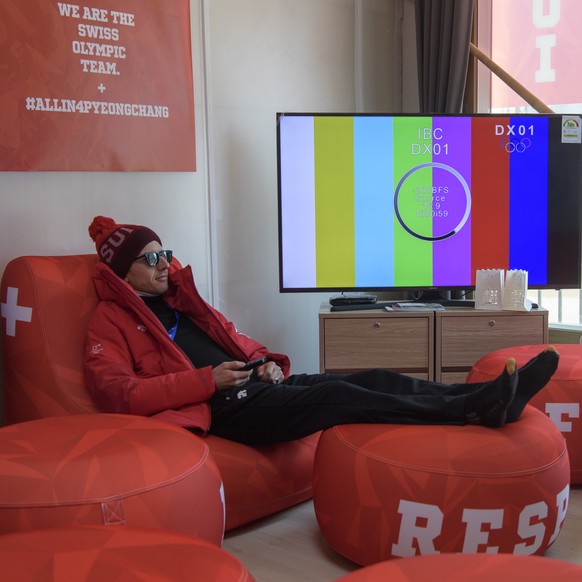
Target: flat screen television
column 421, row 202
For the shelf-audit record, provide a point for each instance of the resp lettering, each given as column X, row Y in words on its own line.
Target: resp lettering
column 422, row 524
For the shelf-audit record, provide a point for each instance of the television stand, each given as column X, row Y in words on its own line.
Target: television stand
column 431, row 345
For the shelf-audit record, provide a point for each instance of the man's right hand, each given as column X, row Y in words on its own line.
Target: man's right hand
column 229, row 375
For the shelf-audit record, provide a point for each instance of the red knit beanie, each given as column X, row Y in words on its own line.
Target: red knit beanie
column 118, row 245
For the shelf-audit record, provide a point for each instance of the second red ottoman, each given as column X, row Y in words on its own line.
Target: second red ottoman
column 108, row 469
column 391, row 491
column 560, row 399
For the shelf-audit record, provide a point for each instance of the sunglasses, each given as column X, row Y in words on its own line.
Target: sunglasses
column 152, row 258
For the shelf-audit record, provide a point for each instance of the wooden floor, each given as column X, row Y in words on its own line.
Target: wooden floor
column 288, row 547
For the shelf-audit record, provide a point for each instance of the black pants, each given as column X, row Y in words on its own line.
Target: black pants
column 260, row 413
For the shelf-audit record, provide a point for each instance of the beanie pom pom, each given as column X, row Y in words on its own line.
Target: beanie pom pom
column 100, row 226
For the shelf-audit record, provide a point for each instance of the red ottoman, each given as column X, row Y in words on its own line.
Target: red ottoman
column 105, row 553
column 387, row 491
column 561, row 397
column 465, row 568
column 96, row 469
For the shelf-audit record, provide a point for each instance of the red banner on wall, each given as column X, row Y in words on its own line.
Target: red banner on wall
column 102, row 85
column 538, row 43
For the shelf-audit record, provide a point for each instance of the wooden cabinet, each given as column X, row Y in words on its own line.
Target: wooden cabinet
column 440, row 345
column 358, row 340
column 463, row 336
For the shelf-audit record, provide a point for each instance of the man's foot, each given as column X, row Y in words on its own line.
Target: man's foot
column 532, row 378
column 488, row 406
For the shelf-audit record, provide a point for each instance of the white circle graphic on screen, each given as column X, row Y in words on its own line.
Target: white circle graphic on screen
column 464, row 185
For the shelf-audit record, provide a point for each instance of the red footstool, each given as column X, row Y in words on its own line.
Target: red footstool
column 107, row 469
column 466, row 567
column 392, row 491
column 104, row 553
column 561, row 397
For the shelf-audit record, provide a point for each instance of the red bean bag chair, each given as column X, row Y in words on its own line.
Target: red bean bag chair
column 46, row 304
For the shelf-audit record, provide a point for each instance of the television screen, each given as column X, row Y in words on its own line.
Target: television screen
column 411, row 202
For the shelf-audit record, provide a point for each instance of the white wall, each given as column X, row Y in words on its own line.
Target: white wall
column 252, row 58
column 280, row 55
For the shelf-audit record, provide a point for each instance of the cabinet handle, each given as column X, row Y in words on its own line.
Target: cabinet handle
column 377, row 324
column 491, row 322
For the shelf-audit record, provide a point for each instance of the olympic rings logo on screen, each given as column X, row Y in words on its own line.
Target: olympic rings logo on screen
column 518, row 145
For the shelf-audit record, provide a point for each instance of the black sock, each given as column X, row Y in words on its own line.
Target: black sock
column 488, row 406
column 532, row 378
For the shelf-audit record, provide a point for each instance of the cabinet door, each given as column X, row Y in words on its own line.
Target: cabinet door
column 402, row 344
column 464, row 340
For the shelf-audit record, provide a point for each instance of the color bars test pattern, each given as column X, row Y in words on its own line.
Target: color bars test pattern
column 461, row 186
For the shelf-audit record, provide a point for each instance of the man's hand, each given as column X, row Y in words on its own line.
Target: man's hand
column 270, row 372
column 230, row 375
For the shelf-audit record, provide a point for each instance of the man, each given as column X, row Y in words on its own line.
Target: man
column 156, row 348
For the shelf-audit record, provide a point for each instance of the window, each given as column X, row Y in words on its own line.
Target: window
column 537, row 43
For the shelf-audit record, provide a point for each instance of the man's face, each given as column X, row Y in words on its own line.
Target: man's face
column 146, row 279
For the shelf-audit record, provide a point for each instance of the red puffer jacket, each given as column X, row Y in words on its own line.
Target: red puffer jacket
column 132, row 365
